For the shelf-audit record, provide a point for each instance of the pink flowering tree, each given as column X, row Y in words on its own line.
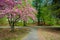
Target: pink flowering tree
column 16, row 10
column 27, row 12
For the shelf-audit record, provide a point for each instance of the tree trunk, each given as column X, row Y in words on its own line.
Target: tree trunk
column 38, row 17
column 24, row 23
column 12, row 27
column 38, row 22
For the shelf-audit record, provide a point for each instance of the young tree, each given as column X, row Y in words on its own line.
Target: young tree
column 15, row 10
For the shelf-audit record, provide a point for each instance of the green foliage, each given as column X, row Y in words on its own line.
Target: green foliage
column 48, row 14
column 47, row 17
column 3, row 21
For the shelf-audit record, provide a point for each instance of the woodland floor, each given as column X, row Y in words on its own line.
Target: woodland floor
column 30, row 34
column 49, row 34
column 5, row 34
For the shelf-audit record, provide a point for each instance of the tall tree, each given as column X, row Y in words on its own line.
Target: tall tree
column 37, row 5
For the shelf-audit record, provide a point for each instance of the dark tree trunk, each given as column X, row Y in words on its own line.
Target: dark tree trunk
column 38, row 17
column 24, row 23
column 38, row 22
column 12, row 21
column 12, row 27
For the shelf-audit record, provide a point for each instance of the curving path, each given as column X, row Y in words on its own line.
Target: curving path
column 33, row 35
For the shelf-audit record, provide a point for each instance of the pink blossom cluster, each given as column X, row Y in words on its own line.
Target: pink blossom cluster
column 25, row 12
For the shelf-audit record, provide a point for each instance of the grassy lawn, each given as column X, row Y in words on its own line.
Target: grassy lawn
column 5, row 34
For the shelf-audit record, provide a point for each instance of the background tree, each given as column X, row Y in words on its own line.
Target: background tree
column 56, row 10
column 37, row 5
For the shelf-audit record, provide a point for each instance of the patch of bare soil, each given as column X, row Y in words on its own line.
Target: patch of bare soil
column 5, row 34
column 49, row 34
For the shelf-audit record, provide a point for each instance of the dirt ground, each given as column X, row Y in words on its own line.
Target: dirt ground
column 5, row 34
column 49, row 34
